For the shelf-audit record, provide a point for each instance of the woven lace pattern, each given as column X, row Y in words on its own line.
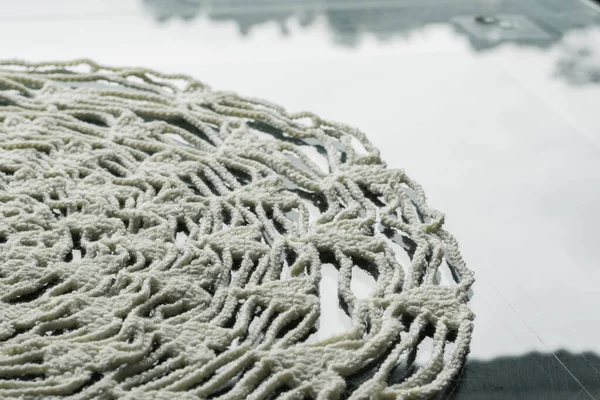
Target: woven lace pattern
column 159, row 239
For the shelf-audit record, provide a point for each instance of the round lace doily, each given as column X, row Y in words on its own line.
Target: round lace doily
column 162, row 240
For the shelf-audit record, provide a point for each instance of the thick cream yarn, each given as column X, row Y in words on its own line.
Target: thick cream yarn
column 162, row 240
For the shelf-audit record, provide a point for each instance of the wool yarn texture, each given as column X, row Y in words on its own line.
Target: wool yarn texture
column 163, row 240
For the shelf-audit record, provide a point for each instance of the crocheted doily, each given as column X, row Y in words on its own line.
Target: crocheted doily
column 162, row 240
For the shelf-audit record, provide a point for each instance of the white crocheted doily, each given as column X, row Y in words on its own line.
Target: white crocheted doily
column 162, row 240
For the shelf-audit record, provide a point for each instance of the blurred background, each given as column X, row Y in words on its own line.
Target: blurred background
column 492, row 105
